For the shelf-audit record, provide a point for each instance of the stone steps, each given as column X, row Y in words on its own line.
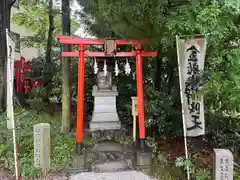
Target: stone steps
column 111, row 157
column 112, row 166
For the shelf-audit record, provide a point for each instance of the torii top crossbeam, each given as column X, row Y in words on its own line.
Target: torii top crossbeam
column 110, row 47
column 86, row 41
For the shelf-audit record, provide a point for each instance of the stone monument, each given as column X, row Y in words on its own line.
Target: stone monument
column 42, row 146
column 223, row 164
column 105, row 115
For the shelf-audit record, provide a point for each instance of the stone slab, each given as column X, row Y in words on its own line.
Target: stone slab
column 79, row 161
column 223, row 164
column 144, row 158
column 125, row 175
column 105, row 100
column 109, row 134
column 105, row 93
column 107, row 146
column 94, row 126
column 105, row 117
column 113, row 166
column 106, row 108
column 96, row 134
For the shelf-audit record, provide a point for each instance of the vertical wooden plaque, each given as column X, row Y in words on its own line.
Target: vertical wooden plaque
column 134, row 106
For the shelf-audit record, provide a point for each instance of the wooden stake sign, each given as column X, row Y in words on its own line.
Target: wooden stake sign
column 134, row 114
column 134, row 106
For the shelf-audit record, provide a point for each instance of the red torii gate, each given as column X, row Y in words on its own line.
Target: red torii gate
column 139, row 53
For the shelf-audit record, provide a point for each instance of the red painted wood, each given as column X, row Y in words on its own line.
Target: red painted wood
column 78, row 41
column 102, row 54
column 131, row 42
column 140, row 93
column 80, row 98
column 87, row 41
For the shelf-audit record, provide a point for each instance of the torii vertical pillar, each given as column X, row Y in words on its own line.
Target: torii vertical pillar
column 80, row 99
column 140, row 96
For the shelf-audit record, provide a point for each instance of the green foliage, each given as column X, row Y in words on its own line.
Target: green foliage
column 195, row 172
column 233, row 3
column 160, row 22
column 62, row 145
column 162, row 168
column 224, row 131
column 33, row 15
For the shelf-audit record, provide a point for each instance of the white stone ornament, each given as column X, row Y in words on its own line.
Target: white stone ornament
column 105, row 68
column 116, row 69
column 127, row 68
column 95, row 67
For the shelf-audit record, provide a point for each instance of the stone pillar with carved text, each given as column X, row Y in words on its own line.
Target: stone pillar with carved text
column 42, row 146
column 223, row 164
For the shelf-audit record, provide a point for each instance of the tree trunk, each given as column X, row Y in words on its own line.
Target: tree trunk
column 66, row 62
column 47, row 71
column 5, row 9
column 158, row 73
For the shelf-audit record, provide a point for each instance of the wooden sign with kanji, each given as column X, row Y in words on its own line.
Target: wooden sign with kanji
column 134, row 106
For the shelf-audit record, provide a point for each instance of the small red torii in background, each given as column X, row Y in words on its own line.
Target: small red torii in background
column 81, row 53
column 22, row 82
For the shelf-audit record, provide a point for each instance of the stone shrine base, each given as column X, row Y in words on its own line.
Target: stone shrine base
column 108, row 125
column 109, row 156
column 105, row 115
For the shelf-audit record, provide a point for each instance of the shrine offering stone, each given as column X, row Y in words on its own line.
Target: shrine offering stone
column 223, row 164
column 42, row 146
column 105, row 115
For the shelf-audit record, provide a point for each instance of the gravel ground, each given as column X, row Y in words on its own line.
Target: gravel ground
column 126, row 175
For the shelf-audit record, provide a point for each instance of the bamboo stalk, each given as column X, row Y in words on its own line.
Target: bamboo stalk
column 183, row 115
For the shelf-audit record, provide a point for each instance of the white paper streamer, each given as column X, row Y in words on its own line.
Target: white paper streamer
column 116, row 69
column 105, row 68
column 95, row 67
column 127, row 67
